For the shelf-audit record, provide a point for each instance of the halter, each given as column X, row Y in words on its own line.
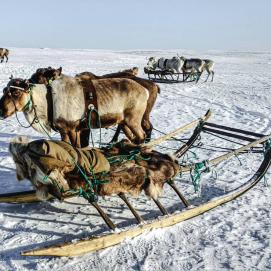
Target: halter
column 27, row 107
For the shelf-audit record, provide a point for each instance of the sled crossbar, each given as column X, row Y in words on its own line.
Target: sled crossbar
column 240, row 131
column 220, row 132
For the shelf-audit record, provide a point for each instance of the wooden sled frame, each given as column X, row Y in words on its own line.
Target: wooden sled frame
column 170, row 77
column 96, row 243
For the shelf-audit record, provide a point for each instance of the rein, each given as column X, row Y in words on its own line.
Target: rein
column 27, row 107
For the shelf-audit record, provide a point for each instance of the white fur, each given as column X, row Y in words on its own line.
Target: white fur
column 69, row 94
column 42, row 193
column 175, row 63
column 154, row 191
column 39, row 101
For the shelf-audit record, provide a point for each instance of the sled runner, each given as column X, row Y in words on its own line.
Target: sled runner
column 170, row 76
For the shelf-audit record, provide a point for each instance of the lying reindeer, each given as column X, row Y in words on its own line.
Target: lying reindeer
column 54, row 167
column 51, row 166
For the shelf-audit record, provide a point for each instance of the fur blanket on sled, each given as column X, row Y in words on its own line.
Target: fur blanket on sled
column 55, row 167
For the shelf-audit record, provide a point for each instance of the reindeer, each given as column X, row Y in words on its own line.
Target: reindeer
column 51, row 167
column 119, row 100
column 192, row 66
column 4, row 54
column 152, row 88
column 209, row 67
column 44, row 75
column 175, row 64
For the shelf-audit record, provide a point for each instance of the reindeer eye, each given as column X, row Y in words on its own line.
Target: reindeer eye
column 16, row 93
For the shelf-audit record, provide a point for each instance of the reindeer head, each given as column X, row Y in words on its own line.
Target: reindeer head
column 45, row 75
column 15, row 97
column 133, row 71
column 27, row 168
column 152, row 63
column 16, row 147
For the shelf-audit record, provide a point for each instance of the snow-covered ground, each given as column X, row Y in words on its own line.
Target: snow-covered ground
column 235, row 236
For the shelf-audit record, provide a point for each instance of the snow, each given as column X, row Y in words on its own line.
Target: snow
column 234, row 236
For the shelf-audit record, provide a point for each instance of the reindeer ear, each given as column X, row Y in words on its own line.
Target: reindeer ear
column 11, row 77
column 60, row 70
column 26, row 83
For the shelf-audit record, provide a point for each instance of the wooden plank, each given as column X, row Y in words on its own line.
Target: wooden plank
column 19, row 197
column 97, row 243
column 178, row 131
column 228, row 155
column 25, row 197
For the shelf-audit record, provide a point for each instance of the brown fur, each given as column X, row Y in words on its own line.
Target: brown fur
column 44, row 75
column 152, row 88
column 127, row 177
column 4, row 54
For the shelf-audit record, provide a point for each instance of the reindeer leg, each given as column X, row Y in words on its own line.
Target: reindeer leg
column 84, row 138
column 64, row 136
column 207, row 77
column 160, row 206
column 182, row 198
column 137, row 131
column 73, row 137
column 116, row 135
column 147, row 127
column 134, row 212
column 213, row 73
column 7, row 58
column 128, row 132
column 104, row 216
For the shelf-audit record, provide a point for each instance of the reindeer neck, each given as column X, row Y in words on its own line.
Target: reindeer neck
column 38, row 109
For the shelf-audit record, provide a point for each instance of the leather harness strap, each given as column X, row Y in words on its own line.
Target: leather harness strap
column 90, row 99
column 50, row 108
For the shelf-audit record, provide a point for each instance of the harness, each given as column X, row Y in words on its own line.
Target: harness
column 50, row 108
column 91, row 104
column 27, row 107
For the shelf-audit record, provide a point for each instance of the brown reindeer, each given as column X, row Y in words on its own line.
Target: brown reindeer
column 4, row 54
column 44, row 75
column 153, row 89
column 119, row 101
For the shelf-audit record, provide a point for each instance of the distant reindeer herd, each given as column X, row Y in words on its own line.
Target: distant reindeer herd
column 73, row 106
column 183, row 65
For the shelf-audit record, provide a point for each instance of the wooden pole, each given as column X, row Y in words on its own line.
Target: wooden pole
column 176, row 132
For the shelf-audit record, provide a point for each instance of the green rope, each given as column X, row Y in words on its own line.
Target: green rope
column 132, row 156
column 89, row 193
column 196, row 171
column 29, row 103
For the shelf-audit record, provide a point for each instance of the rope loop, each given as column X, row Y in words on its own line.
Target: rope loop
column 196, row 172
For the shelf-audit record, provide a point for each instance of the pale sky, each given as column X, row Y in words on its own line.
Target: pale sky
column 138, row 24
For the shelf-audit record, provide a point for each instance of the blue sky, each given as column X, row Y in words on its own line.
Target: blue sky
column 119, row 24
